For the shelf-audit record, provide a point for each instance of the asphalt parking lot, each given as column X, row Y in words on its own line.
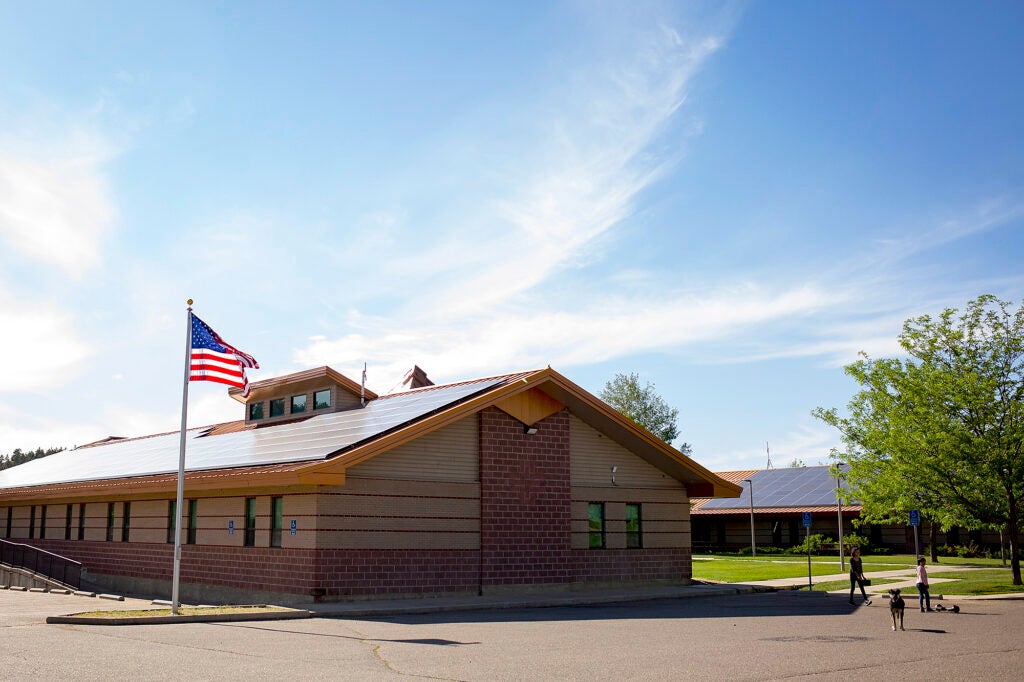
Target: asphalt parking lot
column 779, row 635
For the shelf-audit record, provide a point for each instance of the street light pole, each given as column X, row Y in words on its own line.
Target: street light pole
column 753, row 542
column 839, row 509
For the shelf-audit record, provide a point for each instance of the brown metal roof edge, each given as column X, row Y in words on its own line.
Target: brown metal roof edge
column 323, row 371
column 513, row 384
column 745, row 511
column 722, row 487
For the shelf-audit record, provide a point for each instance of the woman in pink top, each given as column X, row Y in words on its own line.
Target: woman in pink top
column 923, row 598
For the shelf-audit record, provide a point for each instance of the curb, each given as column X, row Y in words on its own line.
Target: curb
column 349, row 611
column 163, row 620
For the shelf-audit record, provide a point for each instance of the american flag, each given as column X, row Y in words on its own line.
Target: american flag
column 215, row 360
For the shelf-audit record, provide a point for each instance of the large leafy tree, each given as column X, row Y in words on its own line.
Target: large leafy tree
column 644, row 406
column 943, row 430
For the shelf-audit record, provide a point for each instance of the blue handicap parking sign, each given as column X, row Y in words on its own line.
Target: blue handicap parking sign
column 807, row 519
column 294, row 526
column 915, row 517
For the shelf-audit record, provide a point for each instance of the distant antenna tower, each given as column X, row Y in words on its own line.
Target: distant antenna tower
column 769, row 455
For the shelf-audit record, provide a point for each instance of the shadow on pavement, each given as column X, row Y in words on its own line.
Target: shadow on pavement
column 786, row 603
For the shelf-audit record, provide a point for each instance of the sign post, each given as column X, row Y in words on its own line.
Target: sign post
column 915, row 521
column 807, row 525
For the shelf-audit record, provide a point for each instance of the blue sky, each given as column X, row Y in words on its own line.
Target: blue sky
column 729, row 199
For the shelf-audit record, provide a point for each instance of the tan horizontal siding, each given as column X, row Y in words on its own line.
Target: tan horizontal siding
column 447, row 454
column 398, row 514
column 662, row 525
column 592, row 456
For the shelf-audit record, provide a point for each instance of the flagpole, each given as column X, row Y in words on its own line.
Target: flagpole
column 181, row 466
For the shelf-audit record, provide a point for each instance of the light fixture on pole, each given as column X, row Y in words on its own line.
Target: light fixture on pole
column 753, row 543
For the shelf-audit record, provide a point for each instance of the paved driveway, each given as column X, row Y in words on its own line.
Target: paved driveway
column 758, row 636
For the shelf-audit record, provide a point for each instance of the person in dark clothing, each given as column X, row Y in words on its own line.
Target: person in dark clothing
column 857, row 575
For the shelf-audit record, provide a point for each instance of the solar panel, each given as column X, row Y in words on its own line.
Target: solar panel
column 309, row 440
column 790, row 487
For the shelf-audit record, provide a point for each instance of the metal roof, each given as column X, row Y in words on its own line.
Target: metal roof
column 309, row 440
column 789, row 487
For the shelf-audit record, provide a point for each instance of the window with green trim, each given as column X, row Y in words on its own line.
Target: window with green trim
column 634, row 534
column 42, row 524
column 276, row 520
column 250, row 522
column 255, row 411
column 67, row 521
column 172, row 520
column 126, row 521
column 10, row 518
column 110, row 521
column 193, row 520
column 595, row 525
column 298, row 404
column 277, row 407
column 32, row 523
column 81, row 521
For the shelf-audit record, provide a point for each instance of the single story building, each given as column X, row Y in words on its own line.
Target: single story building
column 782, row 496
column 328, row 491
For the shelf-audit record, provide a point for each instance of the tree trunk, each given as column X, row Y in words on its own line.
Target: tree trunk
column 1013, row 530
column 933, row 540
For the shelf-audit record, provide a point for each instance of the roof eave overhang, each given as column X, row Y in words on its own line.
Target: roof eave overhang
column 700, row 482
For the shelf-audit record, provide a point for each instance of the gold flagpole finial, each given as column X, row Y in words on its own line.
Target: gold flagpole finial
column 189, row 302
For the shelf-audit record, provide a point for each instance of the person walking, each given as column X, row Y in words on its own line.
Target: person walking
column 857, row 576
column 924, row 599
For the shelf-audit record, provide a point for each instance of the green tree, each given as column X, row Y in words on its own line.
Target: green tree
column 943, row 430
column 18, row 457
column 644, row 406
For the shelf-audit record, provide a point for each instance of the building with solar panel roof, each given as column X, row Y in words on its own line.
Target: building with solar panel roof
column 781, row 497
column 327, row 491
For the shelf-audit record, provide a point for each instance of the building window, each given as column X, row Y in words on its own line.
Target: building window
column 110, row 521
column 255, row 411
column 81, row 521
column 634, row 529
column 67, row 521
column 322, row 399
column 596, row 525
column 32, row 523
column 42, row 523
column 298, row 404
column 276, row 520
column 277, row 407
column 10, row 517
column 250, row 522
column 172, row 520
column 193, row 518
column 126, row 521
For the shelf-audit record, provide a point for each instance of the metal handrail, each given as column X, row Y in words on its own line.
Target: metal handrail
column 54, row 566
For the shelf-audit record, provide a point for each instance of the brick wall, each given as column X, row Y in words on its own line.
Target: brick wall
column 632, row 565
column 355, row 572
column 525, row 508
column 258, row 569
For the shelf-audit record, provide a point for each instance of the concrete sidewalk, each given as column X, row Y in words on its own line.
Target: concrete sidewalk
column 905, row 578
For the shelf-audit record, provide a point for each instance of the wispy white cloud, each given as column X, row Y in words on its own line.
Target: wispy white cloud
column 55, row 206
column 39, row 348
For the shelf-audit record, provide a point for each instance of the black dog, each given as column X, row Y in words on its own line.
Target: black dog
column 896, row 606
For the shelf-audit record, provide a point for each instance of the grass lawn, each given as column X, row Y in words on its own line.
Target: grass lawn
column 988, row 576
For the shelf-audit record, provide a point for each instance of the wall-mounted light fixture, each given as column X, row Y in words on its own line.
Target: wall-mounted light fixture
column 614, row 469
column 530, row 430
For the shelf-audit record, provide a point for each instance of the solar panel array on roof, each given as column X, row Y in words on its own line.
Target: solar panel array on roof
column 790, row 487
column 309, row 440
